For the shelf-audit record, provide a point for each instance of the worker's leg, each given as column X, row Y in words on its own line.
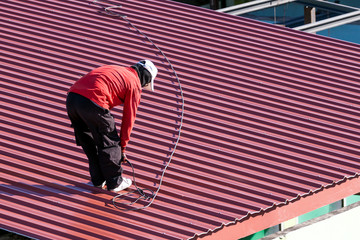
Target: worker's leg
column 86, row 141
column 101, row 124
column 109, row 151
column 83, row 135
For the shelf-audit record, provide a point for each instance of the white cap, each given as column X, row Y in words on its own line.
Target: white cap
column 148, row 65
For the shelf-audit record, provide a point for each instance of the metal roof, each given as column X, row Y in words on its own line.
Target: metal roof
column 270, row 127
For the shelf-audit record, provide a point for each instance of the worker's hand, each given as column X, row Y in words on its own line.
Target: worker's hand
column 123, row 157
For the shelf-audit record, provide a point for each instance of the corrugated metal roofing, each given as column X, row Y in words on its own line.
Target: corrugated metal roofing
column 271, row 121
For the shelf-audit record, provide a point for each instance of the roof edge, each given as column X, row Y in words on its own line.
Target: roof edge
column 278, row 213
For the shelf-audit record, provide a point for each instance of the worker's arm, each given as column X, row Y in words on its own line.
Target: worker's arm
column 131, row 103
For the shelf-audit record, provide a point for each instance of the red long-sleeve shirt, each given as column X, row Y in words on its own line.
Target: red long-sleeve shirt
column 109, row 86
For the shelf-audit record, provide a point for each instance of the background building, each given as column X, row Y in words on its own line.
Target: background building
column 338, row 18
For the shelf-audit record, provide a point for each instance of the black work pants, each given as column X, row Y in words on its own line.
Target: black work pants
column 96, row 133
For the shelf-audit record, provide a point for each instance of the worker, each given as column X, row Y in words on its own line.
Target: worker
column 88, row 104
